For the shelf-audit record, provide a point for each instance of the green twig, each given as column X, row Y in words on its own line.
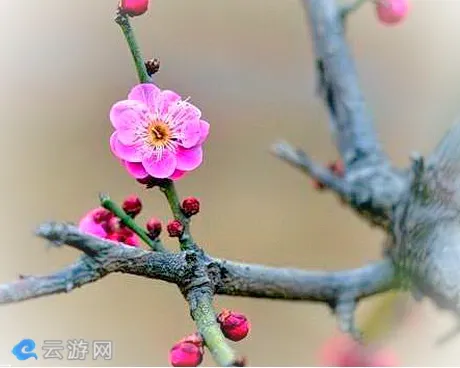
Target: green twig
column 129, row 222
column 123, row 21
column 205, row 318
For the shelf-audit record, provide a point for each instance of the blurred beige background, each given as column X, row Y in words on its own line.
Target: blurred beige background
column 248, row 66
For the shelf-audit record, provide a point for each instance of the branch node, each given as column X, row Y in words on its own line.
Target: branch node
column 345, row 311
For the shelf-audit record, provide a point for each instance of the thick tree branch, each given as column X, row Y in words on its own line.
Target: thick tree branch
column 341, row 290
column 199, row 275
column 78, row 274
column 371, row 186
column 241, row 279
column 101, row 258
column 356, row 138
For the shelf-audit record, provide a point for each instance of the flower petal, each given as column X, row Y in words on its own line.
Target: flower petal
column 185, row 111
column 88, row 226
column 191, row 133
column 135, row 169
column 189, row 159
column 204, row 127
column 177, row 174
column 123, row 151
column 167, row 103
column 162, row 168
column 147, row 93
column 126, row 114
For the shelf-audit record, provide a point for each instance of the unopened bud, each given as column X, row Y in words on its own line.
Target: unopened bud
column 185, row 354
column 175, row 228
column 154, row 227
column 234, row 326
column 190, row 206
column 132, row 205
column 134, row 7
column 391, row 12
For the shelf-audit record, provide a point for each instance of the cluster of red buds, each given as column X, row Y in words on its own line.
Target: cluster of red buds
column 175, row 228
column 102, row 222
column 189, row 351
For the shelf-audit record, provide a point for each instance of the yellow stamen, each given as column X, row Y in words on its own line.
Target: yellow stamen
column 159, row 134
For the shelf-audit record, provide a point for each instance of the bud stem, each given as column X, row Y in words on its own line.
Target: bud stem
column 169, row 190
column 123, row 21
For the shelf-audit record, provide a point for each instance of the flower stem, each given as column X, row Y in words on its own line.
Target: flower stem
column 169, row 190
column 129, row 222
column 123, row 21
column 355, row 5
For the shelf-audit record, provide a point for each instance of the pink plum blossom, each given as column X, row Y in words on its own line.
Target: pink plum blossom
column 157, row 133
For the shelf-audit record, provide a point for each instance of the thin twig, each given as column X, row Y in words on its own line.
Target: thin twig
column 300, row 160
column 129, row 222
column 123, row 21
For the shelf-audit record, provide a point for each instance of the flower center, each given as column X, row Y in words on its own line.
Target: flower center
column 160, row 137
column 159, row 134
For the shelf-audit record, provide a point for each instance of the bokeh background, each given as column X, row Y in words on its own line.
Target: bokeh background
column 248, row 66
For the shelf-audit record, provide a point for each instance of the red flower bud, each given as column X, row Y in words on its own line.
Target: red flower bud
column 132, row 205
column 112, row 225
column 194, row 338
column 154, row 227
column 317, row 185
column 125, row 232
column 114, row 237
column 124, row 235
column 234, row 326
column 190, row 206
column 102, row 215
column 185, row 354
column 337, row 168
column 134, row 7
column 390, row 12
column 175, row 228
